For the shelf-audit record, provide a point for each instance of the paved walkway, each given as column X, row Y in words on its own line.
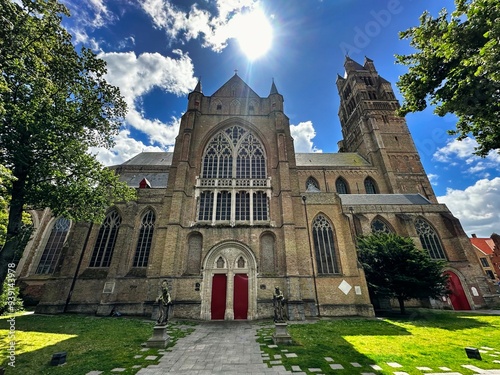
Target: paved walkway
column 216, row 348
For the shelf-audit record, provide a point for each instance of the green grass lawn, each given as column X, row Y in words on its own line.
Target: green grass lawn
column 91, row 343
column 426, row 338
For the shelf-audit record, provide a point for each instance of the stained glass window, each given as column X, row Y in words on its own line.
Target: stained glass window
column 145, row 239
column 324, row 246
column 106, row 239
column 53, row 247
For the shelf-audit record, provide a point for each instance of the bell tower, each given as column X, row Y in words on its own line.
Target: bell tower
column 371, row 128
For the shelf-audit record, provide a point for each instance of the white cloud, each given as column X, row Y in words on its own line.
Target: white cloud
column 477, row 207
column 433, row 178
column 463, row 150
column 138, row 75
column 302, row 134
column 91, row 13
column 214, row 29
column 125, row 148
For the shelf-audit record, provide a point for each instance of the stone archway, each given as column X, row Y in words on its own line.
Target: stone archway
column 229, row 288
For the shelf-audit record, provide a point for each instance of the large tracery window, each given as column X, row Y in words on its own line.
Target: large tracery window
column 324, row 246
column 429, row 239
column 233, row 186
column 106, row 239
column 53, row 247
column 145, row 239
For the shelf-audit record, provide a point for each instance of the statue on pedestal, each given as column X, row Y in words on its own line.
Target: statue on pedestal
column 164, row 301
column 279, row 305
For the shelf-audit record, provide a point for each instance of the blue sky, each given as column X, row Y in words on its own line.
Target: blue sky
column 157, row 49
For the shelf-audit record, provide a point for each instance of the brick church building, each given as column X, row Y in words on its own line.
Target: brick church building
column 234, row 212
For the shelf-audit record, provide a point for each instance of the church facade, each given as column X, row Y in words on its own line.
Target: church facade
column 234, row 212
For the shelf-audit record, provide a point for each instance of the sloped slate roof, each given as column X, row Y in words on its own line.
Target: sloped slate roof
column 156, row 180
column 389, row 199
column 151, row 158
column 340, row 159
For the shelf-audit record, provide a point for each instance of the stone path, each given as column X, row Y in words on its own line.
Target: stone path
column 216, row 348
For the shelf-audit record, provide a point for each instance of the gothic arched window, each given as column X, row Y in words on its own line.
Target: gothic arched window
column 324, row 246
column 145, row 239
column 370, row 186
column 341, row 186
column 53, row 247
column 312, row 185
column 380, row 226
column 429, row 239
column 106, row 239
column 233, row 178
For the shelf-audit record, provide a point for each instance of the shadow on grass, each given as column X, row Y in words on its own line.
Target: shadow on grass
column 100, row 343
column 447, row 320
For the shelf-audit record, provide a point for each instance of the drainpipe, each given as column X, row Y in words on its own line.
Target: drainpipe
column 78, row 268
column 311, row 255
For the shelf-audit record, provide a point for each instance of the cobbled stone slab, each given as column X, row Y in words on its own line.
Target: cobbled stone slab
column 94, row 373
column 328, row 359
column 376, row 367
column 118, row 369
column 355, row 364
column 291, row 355
column 445, row 368
column 336, row 366
column 424, row 368
column 394, row 364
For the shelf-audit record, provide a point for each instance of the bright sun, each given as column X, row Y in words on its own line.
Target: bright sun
column 254, row 34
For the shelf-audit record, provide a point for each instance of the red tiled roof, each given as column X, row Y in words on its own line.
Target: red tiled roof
column 486, row 245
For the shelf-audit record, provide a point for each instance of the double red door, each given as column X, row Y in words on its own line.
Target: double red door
column 219, row 296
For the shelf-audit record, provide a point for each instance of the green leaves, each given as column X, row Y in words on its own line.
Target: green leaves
column 395, row 267
column 456, row 69
column 54, row 106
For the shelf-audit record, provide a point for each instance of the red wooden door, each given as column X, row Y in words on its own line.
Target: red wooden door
column 218, row 306
column 240, row 296
column 457, row 296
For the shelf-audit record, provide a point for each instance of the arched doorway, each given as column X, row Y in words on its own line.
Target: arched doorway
column 457, row 296
column 229, row 283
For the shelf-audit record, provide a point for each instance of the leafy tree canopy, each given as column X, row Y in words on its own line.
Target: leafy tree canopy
column 455, row 67
column 54, row 105
column 395, row 267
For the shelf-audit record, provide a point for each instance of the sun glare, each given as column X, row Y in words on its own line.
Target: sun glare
column 254, row 34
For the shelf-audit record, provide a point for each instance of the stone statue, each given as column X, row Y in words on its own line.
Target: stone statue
column 164, row 301
column 279, row 305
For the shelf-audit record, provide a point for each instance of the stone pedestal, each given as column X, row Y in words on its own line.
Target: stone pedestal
column 160, row 339
column 281, row 335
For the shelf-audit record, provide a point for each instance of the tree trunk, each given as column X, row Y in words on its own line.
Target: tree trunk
column 14, row 232
column 401, row 305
